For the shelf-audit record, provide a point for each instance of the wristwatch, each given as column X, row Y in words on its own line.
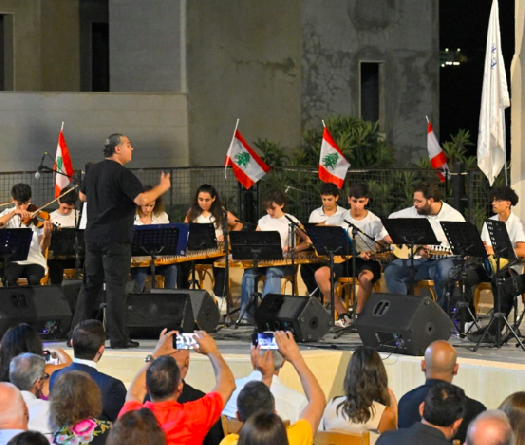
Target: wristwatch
column 149, row 358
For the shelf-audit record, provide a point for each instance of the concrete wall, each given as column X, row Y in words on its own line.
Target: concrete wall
column 403, row 34
column 243, row 61
column 145, row 45
column 30, row 122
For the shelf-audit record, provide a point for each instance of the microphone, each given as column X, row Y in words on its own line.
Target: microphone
column 291, row 220
column 39, row 169
column 358, row 230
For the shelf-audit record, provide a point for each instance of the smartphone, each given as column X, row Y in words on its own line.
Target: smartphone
column 48, row 357
column 184, row 341
column 266, row 340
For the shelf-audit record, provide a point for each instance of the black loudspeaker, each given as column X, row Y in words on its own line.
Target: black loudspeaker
column 403, row 324
column 44, row 308
column 305, row 317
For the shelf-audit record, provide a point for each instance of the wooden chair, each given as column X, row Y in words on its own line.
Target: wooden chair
column 346, row 285
column 484, row 285
column 425, row 284
column 203, row 271
column 341, row 438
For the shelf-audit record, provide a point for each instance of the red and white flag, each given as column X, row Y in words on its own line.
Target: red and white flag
column 332, row 163
column 247, row 165
column 62, row 164
column 438, row 160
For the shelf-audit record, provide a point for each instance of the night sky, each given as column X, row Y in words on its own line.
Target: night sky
column 464, row 24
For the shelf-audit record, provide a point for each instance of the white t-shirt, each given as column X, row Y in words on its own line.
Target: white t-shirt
column 446, row 213
column 38, row 414
column 370, row 224
column 64, row 221
column 161, row 218
column 318, row 215
column 282, row 225
column 35, row 254
column 207, row 220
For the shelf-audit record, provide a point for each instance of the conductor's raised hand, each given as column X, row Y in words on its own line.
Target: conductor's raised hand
column 287, row 346
column 165, row 344
column 206, row 343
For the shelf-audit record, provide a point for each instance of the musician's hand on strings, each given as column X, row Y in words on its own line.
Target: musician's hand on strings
column 423, row 252
column 48, row 227
column 220, row 238
column 368, row 255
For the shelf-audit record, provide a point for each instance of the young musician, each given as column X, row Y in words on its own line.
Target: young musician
column 329, row 196
column 276, row 219
column 153, row 213
column 208, row 208
column 368, row 270
column 35, row 267
column 428, row 203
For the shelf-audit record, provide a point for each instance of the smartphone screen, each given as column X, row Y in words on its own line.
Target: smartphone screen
column 266, row 340
column 184, row 341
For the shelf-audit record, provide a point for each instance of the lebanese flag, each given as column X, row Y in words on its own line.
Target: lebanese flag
column 438, row 160
column 247, row 165
column 62, row 164
column 332, row 163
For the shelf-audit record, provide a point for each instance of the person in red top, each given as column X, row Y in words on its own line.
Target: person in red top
column 186, row 423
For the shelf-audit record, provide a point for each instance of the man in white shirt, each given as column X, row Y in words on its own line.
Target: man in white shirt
column 329, row 197
column 289, row 403
column 13, row 412
column 427, row 204
column 26, row 372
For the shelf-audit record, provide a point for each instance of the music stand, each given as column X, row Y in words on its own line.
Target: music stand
column 201, row 237
column 14, row 246
column 68, row 243
column 154, row 239
column 255, row 246
column 503, row 249
column 330, row 241
column 411, row 231
column 464, row 241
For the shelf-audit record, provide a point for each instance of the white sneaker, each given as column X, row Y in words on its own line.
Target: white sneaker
column 343, row 322
column 221, row 304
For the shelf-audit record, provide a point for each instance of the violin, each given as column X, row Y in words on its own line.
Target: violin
column 38, row 216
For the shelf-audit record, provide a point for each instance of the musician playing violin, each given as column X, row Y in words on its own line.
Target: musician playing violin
column 35, row 267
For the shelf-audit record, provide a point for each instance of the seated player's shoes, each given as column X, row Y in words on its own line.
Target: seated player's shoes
column 344, row 321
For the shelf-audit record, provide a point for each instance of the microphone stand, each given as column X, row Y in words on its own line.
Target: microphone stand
column 292, row 225
column 226, row 288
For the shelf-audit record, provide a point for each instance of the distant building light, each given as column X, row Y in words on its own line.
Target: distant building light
column 446, row 50
column 442, row 65
column 448, row 63
column 455, row 63
column 458, row 50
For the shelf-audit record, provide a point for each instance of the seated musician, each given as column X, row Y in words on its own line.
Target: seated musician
column 207, row 208
column 329, row 197
column 64, row 216
column 503, row 198
column 368, row 270
column 35, row 267
column 153, row 213
column 274, row 220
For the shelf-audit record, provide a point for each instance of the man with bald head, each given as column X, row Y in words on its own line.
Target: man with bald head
column 438, row 365
column 14, row 415
column 490, row 428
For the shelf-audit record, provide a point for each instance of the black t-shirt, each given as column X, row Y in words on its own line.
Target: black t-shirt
column 110, row 189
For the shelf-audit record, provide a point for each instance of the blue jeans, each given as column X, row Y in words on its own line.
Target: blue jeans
column 169, row 273
column 272, row 285
column 397, row 276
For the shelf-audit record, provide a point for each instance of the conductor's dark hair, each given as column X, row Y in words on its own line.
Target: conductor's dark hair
column 162, row 378
column 444, row 404
column 429, row 191
column 359, row 190
column 110, row 144
column 21, row 192
column 504, row 193
column 69, row 197
column 254, row 397
column 329, row 189
column 276, row 196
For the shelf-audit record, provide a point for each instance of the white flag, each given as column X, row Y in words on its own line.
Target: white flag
column 494, row 100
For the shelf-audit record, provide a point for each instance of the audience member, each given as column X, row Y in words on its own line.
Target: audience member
column 256, row 397
column 13, row 412
column 29, row 438
column 490, row 428
column 368, row 404
column 76, row 404
column 88, row 346
column 263, row 429
column 439, row 365
column 289, row 403
column 23, row 338
column 28, row 375
column 514, row 407
column 137, row 427
column 441, row 414
column 186, row 423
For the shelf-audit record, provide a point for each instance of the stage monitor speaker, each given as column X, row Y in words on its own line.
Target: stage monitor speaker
column 403, row 324
column 44, row 308
column 205, row 311
column 71, row 289
column 305, row 317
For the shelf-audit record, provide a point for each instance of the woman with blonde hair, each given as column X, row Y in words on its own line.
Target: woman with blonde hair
column 514, row 408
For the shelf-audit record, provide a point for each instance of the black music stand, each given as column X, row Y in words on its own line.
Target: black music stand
column 464, row 241
column 14, row 246
column 201, row 237
column 330, row 241
column 503, row 249
column 68, row 243
column 255, row 246
column 154, row 239
column 411, row 231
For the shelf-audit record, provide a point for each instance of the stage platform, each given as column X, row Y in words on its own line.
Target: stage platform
column 488, row 375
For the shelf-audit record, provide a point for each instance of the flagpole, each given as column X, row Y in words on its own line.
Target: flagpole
column 426, row 117
column 504, row 140
column 322, row 120
column 233, row 137
column 62, row 128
